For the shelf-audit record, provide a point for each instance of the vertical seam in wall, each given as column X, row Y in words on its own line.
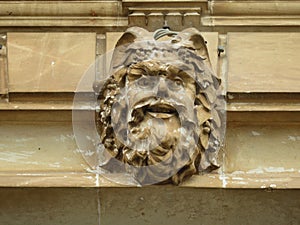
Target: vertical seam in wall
column 98, row 203
column 101, row 56
column 210, row 7
column 222, row 65
column 4, row 87
column 222, row 72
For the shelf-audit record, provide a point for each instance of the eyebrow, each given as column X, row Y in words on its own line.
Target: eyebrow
column 170, row 70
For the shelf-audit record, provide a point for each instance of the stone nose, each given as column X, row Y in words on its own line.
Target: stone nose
column 162, row 89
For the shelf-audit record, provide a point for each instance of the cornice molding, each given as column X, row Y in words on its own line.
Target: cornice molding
column 253, row 21
column 60, row 21
column 214, row 13
column 62, row 14
column 254, row 7
column 60, row 8
column 121, row 13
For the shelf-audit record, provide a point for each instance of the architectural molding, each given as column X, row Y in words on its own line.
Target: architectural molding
column 202, row 13
column 254, row 21
column 254, row 7
column 284, row 181
column 63, row 8
column 57, row 21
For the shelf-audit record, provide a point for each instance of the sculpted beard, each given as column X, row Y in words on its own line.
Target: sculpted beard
column 150, row 122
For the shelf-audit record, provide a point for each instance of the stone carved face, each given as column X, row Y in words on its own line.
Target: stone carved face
column 158, row 109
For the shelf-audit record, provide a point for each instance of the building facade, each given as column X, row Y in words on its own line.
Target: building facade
column 46, row 47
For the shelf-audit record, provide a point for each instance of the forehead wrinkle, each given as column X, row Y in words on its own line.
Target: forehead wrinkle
column 150, row 68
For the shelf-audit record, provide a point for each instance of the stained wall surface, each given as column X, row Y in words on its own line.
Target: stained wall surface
column 152, row 205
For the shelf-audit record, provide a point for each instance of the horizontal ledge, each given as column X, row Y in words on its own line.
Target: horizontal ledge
column 266, row 181
column 236, row 102
column 161, row 5
column 24, row 21
column 263, row 101
column 263, row 107
column 164, row 3
column 256, row 7
column 68, row 105
column 165, row 9
column 48, row 106
column 269, row 21
column 263, row 96
column 241, row 180
column 59, row 8
column 36, row 116
column 266, row 118
column 46, row 101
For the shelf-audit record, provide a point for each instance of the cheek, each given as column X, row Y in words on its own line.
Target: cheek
column 173, row 124
column 191, row 90
column 185, row 97
column 190, row 95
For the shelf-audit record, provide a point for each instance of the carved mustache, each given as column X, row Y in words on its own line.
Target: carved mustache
column 160, row 106
column 165, row 105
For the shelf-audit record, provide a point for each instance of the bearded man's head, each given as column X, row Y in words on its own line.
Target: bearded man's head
column 159, row 108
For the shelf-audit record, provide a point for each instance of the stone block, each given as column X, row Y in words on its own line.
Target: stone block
column 263, row 62
column 48, row 62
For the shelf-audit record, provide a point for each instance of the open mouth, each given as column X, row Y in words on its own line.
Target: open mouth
column 161, row 110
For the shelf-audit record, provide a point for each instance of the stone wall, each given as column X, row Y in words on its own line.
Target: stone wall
column 47, row 46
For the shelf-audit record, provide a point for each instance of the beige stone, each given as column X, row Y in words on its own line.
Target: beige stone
column 263, row 62
column 262, row 149
column 111, row 40
column 42, row 154
column 39, row 148
column 46, row 62
column 59, row 8
column 3, row 65
column 3, row 75
column 60, row 23
column 261, row 7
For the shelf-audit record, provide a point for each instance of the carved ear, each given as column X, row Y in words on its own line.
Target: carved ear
column 127, row 38
column 194, row 40
column 200, row 46
column 120, row 50
column 131, row 35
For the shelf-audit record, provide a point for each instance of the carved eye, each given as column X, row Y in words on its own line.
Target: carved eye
column 146, row 82
column 176, row 84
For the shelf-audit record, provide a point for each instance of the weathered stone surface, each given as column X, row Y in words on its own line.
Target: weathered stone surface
column 268, row 142
column 39, row 148
column 147, row 206
column 46, row 62
column 263, row 62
